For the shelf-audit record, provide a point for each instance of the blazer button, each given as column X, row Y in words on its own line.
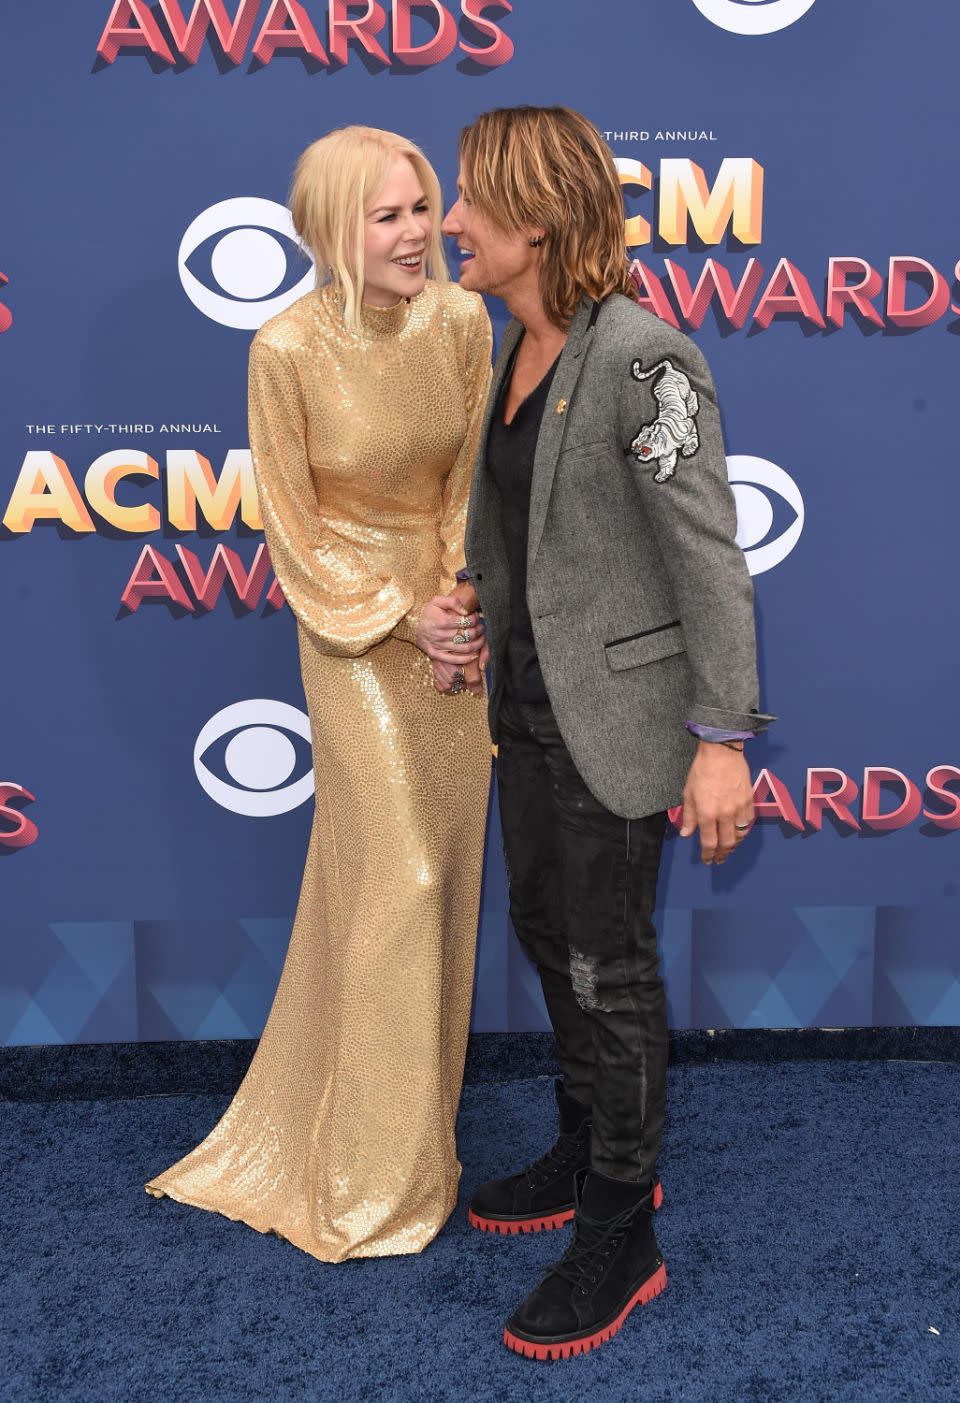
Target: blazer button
column 477, row 575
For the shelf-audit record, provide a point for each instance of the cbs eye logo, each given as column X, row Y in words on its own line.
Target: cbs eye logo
column 756, row 486
column 753, row 16
column 259, row 758
column 248, row 249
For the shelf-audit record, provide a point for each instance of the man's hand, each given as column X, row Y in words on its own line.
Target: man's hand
column 717, row 799
column 441, row 621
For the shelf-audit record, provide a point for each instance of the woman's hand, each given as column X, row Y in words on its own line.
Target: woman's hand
column 446, row 634
column 445, row 677
column 467, row 596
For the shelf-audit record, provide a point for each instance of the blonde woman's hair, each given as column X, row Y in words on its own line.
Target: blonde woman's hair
column 334, row 184
column 550, row 167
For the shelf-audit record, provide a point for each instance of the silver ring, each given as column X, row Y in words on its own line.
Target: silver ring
column 462, row 637
column 743, row 826
column 465, row 622
column 457, row 682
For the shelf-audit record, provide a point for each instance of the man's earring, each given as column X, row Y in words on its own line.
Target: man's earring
column 536, row 241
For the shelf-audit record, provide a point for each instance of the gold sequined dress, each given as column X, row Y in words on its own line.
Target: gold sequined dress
column 341, row 1137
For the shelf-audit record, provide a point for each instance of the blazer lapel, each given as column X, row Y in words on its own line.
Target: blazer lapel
column 554, row 422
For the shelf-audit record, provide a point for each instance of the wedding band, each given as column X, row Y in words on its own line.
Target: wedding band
column 742, row 826
column 462, row 637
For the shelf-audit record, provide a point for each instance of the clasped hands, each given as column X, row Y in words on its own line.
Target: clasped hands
column 717, row 798
column 452, row 634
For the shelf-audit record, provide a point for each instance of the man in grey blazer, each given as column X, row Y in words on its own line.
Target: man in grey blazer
column 619, row 619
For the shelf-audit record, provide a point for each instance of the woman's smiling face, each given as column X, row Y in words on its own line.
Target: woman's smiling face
column 397, row 231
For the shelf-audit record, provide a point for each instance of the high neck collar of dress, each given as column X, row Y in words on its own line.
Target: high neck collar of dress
column 385, row 321
column 376, row 323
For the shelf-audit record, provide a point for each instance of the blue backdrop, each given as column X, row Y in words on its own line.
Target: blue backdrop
column 151, row 846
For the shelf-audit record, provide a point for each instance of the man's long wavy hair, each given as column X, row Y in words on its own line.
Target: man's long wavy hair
column 550, row 167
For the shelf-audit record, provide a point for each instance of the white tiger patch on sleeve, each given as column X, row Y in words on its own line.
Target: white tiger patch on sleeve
column 674, row 431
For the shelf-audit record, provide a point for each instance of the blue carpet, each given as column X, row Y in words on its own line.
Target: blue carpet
column 811, row 1232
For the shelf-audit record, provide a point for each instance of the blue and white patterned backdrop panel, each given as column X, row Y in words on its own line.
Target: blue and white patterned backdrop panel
column 789, row 179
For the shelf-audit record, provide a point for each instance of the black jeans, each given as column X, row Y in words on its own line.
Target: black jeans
column 582, row 891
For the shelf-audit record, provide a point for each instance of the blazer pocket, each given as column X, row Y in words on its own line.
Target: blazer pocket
column 584, row 447
column 650, row 646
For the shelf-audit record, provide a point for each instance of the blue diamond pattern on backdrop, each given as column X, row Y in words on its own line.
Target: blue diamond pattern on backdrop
column 68, row 982
column 494, row 934
column 119, row 981
column 526, row 1010
column 917, row 966
column 208, row 979
column 675, row 929
column 490, row 988
column 810, row 967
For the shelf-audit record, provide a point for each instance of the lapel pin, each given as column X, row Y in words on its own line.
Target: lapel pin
column 561, row 405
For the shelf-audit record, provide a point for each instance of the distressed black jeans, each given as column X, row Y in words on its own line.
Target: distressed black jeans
column 582, row 891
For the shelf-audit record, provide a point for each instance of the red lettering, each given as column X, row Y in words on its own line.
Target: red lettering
column 771, row 799
column 6, row 316
column 836, row 800
column 787, row 293
column 435, row 50
column 363, row 28
column 841, row 294
column 937, row 780
column 24, row 831
column 278, row 34
column 122, row 33
column 874, row 777
column 154, row 578
column 226, row 564
column 714, row 281
column 501, row 50
column 650, row 293
column 928, row 312
column 189, row 36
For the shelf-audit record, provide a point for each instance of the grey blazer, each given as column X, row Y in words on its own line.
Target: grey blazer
column 640, row 599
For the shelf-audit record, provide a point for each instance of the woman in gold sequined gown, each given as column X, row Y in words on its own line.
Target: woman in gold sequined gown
column 364, row 420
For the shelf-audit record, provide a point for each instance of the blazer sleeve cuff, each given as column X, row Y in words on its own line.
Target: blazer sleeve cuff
column 717, row 718
column 717, row 734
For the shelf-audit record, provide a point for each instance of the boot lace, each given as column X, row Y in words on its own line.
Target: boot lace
column 585, row 1260
column 558, row 1158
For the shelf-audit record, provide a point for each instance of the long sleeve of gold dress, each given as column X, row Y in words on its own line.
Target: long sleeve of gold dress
column 341, row 1137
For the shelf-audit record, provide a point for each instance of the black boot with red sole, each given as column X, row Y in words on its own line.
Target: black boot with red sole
column 612, row 1265
column 541, row 1197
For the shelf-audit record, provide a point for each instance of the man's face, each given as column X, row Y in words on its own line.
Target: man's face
column 493, row 260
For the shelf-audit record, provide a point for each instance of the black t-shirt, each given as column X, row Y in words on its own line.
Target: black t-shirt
column 510, row 453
